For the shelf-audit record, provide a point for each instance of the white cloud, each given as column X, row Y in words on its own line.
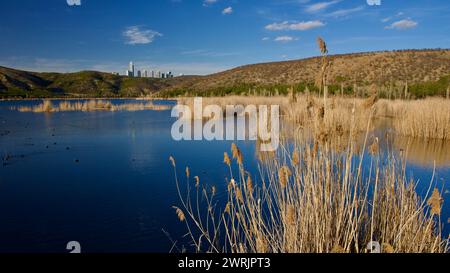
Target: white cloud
column 74, row 2
column 345, row 12
column 265, row 38
column 228, row 10
column 403, row 24
column 136, row 35
column 284, row 39
column 320, row 6
column 295, row 26
column 387, row 19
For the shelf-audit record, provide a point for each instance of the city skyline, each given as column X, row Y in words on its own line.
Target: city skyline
column 144, row 73
column 203, row 37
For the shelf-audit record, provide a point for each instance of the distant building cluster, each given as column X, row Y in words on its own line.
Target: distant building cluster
column 133, row 73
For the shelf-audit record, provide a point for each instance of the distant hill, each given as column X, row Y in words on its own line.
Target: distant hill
column 426, row 71
column 23, row 84
column 416, row 67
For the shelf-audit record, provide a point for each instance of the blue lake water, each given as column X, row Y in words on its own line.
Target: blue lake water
column 104, row 179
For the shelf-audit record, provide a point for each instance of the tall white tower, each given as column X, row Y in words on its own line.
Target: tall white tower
column 131, row 68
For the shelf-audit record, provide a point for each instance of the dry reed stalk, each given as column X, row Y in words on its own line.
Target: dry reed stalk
column 325, row 205
column 180, row 214
column 435, row 202
column 226, row 159
column 370, row 101
column 250, row 184
column 387, row 248
column 291, row 218
column 283, row 175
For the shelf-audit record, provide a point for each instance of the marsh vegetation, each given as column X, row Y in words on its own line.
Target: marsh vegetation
column 316, row 195
column 324, row 190
column 47, row 106
column 426, row 118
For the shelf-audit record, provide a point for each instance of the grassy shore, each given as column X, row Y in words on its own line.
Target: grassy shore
column 312, row 197
column 427, row 118
column 47, row 106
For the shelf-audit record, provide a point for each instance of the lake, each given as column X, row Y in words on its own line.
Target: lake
column 104, row 179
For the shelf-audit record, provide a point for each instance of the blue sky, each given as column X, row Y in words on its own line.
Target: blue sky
column 206, row 36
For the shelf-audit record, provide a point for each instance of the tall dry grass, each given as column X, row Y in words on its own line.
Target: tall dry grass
column 428, row 118
column 314, row 201
column 223, row 102
column 310, row 198
column 48, row 106
column 306, row 112
column 334, row 116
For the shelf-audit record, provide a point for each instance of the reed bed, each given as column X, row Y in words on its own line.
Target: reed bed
column 334, row 116
column 92, row 105
column 310, row 198
column 223, row 102
column 428, row 118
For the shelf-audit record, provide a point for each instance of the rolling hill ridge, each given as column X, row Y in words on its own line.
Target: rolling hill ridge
column 428, row 71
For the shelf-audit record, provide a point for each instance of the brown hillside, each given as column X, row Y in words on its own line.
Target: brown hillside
column 414, row 66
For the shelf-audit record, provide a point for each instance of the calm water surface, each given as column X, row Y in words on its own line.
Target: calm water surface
column 104, row 179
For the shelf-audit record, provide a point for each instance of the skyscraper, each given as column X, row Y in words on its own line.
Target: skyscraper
column 131, row 69
column 139, row 73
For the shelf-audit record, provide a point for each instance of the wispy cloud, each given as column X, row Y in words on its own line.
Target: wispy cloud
column 403, row 24
column 320, row 6
column 284, row 39
column 344, row 12
column 136, row 35
column 387, row 19
column 302, row 26
column 228, row 10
